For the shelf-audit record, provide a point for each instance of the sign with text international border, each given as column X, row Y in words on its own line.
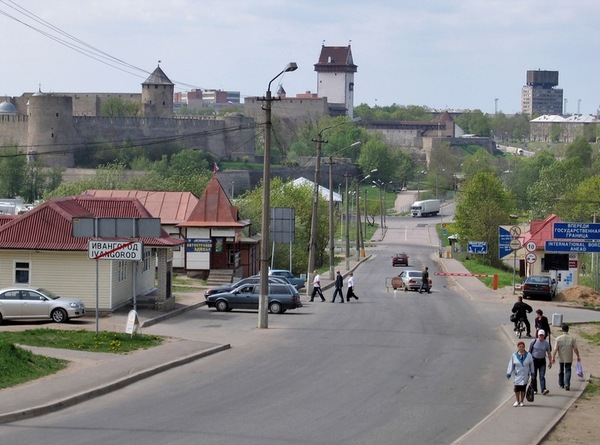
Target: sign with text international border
column 572, row 246
column 576, row 231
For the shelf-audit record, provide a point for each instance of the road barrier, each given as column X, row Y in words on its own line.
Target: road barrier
column 463, row 274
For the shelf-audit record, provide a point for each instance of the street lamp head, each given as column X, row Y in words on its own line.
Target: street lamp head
column 290, row 67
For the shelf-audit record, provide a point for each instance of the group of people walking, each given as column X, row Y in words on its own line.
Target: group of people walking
column 339, row 286
column 527, row 365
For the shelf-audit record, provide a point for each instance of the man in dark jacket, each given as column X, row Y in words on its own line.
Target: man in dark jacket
column 521, row 310
column 339, row 284
column 425, row 281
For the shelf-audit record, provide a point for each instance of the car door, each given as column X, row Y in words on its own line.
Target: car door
column 242, row 296
column 10, row 304
column 35, row 305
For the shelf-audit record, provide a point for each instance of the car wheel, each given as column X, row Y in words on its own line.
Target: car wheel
column 275, row 308
column 59, row 316
column 0, row 318
column 222, row 306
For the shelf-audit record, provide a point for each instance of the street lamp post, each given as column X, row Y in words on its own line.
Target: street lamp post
column 346, row 176
column 331, row 238
column 266, row 217
column 312, row 246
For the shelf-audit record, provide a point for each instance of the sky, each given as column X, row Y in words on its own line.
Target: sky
column 443, row 54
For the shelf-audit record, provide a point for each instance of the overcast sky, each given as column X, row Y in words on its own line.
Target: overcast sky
column 439, row 53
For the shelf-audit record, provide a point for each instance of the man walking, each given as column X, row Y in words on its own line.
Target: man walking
column 425, row 281
column 339, row 284
column 317, row 287
column 350, row 293
column 564, row 346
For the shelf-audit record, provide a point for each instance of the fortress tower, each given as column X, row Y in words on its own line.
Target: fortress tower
column 335, row 79
column 51, row 131
column 157, row 95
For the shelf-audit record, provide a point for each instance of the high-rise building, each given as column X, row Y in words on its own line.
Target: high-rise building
column 540, row 96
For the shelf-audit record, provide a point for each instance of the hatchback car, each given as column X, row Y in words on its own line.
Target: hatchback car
column 255, row 279
column 400, row 259
column 539, row 286
column 410, row 280
column 281, row 297
column 24, row 302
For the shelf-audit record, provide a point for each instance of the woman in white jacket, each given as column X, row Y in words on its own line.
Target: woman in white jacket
column 521, row 364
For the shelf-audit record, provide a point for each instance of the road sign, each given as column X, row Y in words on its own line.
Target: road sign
column 579, row 231
column 515, row 244
column 515, row 231
column 479, row 247
column 530, row 258
column 504, row 238
column 572, row 246
column 115, row 250
column 531, row 246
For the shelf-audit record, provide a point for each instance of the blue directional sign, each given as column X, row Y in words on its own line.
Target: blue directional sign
column 504, row 239
column 572, row 246
column 479, row 247
column 579, row 231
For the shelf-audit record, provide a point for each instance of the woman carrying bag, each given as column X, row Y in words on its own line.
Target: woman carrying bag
column 521, row 365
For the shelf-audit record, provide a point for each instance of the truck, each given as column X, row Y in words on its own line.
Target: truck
column 428, row 207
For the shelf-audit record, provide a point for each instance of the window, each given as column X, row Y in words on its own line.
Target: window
column 147, row 258
column 122, row 267
column 21, row 272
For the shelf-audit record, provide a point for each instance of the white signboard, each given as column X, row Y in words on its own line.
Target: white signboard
column 133, row 322
column 531, row 246
column 115, row 250
column 530, row 258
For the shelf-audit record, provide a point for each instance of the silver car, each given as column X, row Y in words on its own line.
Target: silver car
column 25, row 302
column 410, row 280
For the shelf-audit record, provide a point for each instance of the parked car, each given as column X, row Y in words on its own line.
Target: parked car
column 281, row 297
column 400, row 259
column 254, row 279
column 539, row 286
column 298, row 282
column 410, row 280
column 25, row 302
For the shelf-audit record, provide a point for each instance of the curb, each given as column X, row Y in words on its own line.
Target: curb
column 102, row 390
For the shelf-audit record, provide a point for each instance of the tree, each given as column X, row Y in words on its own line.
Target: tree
column 553, row 183
column 12, row 172
column 118, row 107
column 482, row 206
column 580, row 148
column 475, row 122
column 581, row 204
column 301, row 199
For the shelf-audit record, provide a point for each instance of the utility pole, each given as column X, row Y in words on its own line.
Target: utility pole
column 312, row 247
column 331, row 237
column 346, row 176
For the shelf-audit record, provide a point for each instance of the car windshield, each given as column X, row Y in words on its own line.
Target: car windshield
column 48, row 293
column 538, row 280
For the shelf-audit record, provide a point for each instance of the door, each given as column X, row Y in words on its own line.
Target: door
column 10, row 304
column 35, row 305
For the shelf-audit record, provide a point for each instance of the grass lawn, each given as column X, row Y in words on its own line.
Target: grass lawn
column 18, row 365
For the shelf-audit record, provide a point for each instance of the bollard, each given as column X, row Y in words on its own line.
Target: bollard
column 496, row 282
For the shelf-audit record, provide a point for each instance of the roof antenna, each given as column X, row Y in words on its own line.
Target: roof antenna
column 159, row 62
column 323, row 43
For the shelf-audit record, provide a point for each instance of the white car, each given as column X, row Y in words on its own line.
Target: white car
column 25, row 302
column 410, row 280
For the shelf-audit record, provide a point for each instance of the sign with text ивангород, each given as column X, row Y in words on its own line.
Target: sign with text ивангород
column 577, row 231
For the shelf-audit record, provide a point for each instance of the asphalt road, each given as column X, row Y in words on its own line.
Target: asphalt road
column 390, row 368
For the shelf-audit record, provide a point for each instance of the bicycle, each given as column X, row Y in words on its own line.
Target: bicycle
column 520, row 327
